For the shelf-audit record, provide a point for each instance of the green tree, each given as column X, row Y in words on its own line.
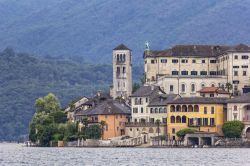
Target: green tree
column 232, row 129
column 135, row 87
column 58, row 116
column 181, row 133
column 103, row 124
column 229, row 86
column 47, row 104
column 94, row 131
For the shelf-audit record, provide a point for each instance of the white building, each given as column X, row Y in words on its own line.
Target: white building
column 238, row 108
column 186, row 69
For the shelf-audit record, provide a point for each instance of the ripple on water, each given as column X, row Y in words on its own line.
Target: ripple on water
column 13, row 154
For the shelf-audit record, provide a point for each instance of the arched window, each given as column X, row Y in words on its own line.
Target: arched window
column 184, row 108
column 151, row 110
column 235, row 108
column 178, row 119
column 178, row 108
column 172, row 119
column 190, row 108
column 202, row 85
column 192, row 87
column 156, row 110
column 183, row 88
column 184, row 119
column 172, row 108
column 196, row 108
column 151, row 130
column 124, row 58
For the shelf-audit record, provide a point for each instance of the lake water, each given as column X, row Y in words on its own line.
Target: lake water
column 13, row 154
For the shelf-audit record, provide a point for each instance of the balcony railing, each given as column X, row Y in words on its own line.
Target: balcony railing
column 201, row 125
column 144, row 124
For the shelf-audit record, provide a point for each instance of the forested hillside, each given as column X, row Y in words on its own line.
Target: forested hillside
column 24, row 77
column 91, row 28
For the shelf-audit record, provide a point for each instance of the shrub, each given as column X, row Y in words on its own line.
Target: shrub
column 181, row 133
column 232, row 129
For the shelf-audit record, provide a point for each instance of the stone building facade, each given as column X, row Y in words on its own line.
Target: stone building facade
column 238, row 108
column 122, row 72
column 185, row 69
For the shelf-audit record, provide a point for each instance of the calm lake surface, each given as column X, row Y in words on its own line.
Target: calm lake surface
column 14, row 154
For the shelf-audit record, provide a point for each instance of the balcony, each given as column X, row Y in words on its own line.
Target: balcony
column 146, row 124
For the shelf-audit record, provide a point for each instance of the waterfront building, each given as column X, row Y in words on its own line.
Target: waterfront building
column 186, row 69
column 238, row 108
column 122, row 72
column 114, row 113
column 149, row 112
column 200, row 113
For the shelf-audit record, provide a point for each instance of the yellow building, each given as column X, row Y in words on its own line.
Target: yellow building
column 201, row 114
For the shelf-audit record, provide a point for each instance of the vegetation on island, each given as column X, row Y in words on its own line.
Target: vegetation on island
column 25, row 77
column 233, row 129
column 181, row 133
column 49, row 124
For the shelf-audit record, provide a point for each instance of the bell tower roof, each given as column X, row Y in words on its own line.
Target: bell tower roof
column 121, row 47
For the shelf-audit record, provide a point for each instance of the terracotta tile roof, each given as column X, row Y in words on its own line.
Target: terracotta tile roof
column 213, row 90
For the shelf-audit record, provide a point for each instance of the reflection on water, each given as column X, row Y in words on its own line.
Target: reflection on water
column 13, row 154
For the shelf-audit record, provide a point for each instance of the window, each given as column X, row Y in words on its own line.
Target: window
column 183, row 88
column 203, row 61
column 116, row 117
column 194, row 73
column 235, row 73
column 193, row 61
column 213, row 73
column 174, row 60
column 184, row 61
column 235, row 67
column 212, row 61
column 171, row 88
column 163, row 60
column 193, row 87
column 135, row 110
column 184, row 72
column 211, row 95
column 244, row 73
column 244, row 66
column 212, row 122
column 244, row 57
column 212, row 110
column 106, row 127
column 236, row 57
column 146, row 99
column 152, row 61
column 124, row 70
column 175, row 72
column 205, row 110
column 236, row 81
column 141, row 110
column 205, row 121
column 173, row 130
column 235, row 116
column 203, row 73
column 202, row 86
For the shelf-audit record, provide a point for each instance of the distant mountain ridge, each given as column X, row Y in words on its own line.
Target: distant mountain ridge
column 24, row 78
column 91, row 29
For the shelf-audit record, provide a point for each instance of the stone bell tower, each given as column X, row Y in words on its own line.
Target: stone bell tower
column 122, row 72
